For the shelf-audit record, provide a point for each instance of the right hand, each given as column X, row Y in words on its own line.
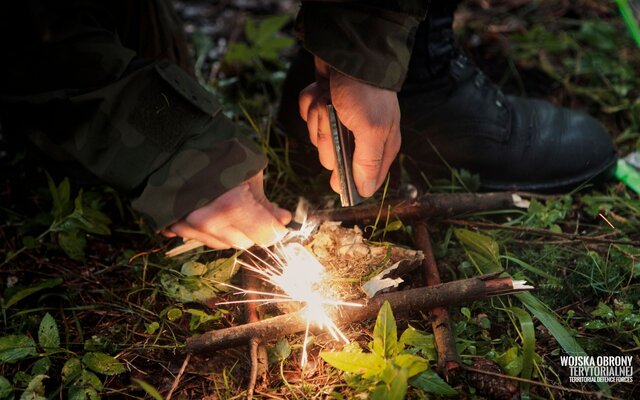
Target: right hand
column 239, row 218
column 371, row 113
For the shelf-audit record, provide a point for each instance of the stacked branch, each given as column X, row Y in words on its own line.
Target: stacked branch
column 448, row 360
column 456, row 292
column 440, row 205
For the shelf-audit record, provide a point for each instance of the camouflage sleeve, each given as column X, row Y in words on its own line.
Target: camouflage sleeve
column 368, row 40
column 146, row 128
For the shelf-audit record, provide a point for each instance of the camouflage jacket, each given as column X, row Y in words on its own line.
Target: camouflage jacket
column 369, row 40
column 145, row 126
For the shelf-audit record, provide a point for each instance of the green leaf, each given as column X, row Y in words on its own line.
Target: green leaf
column 151, row 391
column 6, row 390
column 41, row 366
column 151, row 328
column 174, row 314
column 16, row 347
column 239, row 53
column 222, row 270
column 73, row 244
column 88, row 379
column 422, row 341
column 385, row 334
column 35, row 389
column 528, row 344
column 366, row 364
column 412, row 363
column 251, row 30
column 71, row 370
column 482, row 250
column 96, row 222
column 48, row 335
column 511, row 361
column 103, row 364
column 269, row 50
column 60, row 196
column 596, row 324
column 199, row 317
column 200, row 288
column 430, row 382
column 555, row 327
column 396, row 389
column 24, row 293
column 603, row 311
column 272, row 25
column 280, row 352
column 83, row 393
column 21, row 379
column 193, row 268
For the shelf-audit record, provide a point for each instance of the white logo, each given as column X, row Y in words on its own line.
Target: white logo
column 599, row 369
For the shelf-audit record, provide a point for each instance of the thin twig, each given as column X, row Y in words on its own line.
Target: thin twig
column 257, row 352
column 532, row 382
column 541, row 232
column 178, row 377
column 448, row 360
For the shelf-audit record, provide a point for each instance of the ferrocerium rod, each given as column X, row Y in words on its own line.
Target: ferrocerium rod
column 449, row 293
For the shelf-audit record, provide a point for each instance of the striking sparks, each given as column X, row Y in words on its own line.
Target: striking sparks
column 295, row 270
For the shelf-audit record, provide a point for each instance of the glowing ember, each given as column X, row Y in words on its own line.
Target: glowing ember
column 296, row 271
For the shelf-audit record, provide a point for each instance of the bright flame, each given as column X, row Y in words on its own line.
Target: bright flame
column 296, row 271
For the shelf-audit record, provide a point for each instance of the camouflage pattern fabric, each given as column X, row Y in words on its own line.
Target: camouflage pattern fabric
column 145, row 127
column 368, row 40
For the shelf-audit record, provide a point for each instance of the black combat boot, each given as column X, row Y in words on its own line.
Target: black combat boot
column 452, row 112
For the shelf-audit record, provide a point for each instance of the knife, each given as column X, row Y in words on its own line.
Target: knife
column 344, row 145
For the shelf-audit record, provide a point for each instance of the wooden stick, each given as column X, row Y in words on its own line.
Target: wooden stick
column 456, row 292
column 438, row 205
column 448, row 359
column 178, row 377
column 257, row 351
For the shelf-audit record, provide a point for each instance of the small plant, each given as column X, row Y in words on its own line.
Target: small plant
column 77, row 375
column 392, row 365
column 69, row 222
column 264, row 42
column 622, row 318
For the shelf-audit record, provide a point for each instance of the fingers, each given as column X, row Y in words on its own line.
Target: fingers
column 186, row 231
column 313, row 109
column 239, row 218
column 391, row 150
column 367, row 165
column 335, row 181
column 282, row 215
column 256, row 184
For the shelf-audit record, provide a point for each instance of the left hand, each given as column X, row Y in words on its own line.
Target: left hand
column 371, row 113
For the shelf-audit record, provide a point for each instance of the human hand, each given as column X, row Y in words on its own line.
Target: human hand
column 240, row 218
column 371, row 113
